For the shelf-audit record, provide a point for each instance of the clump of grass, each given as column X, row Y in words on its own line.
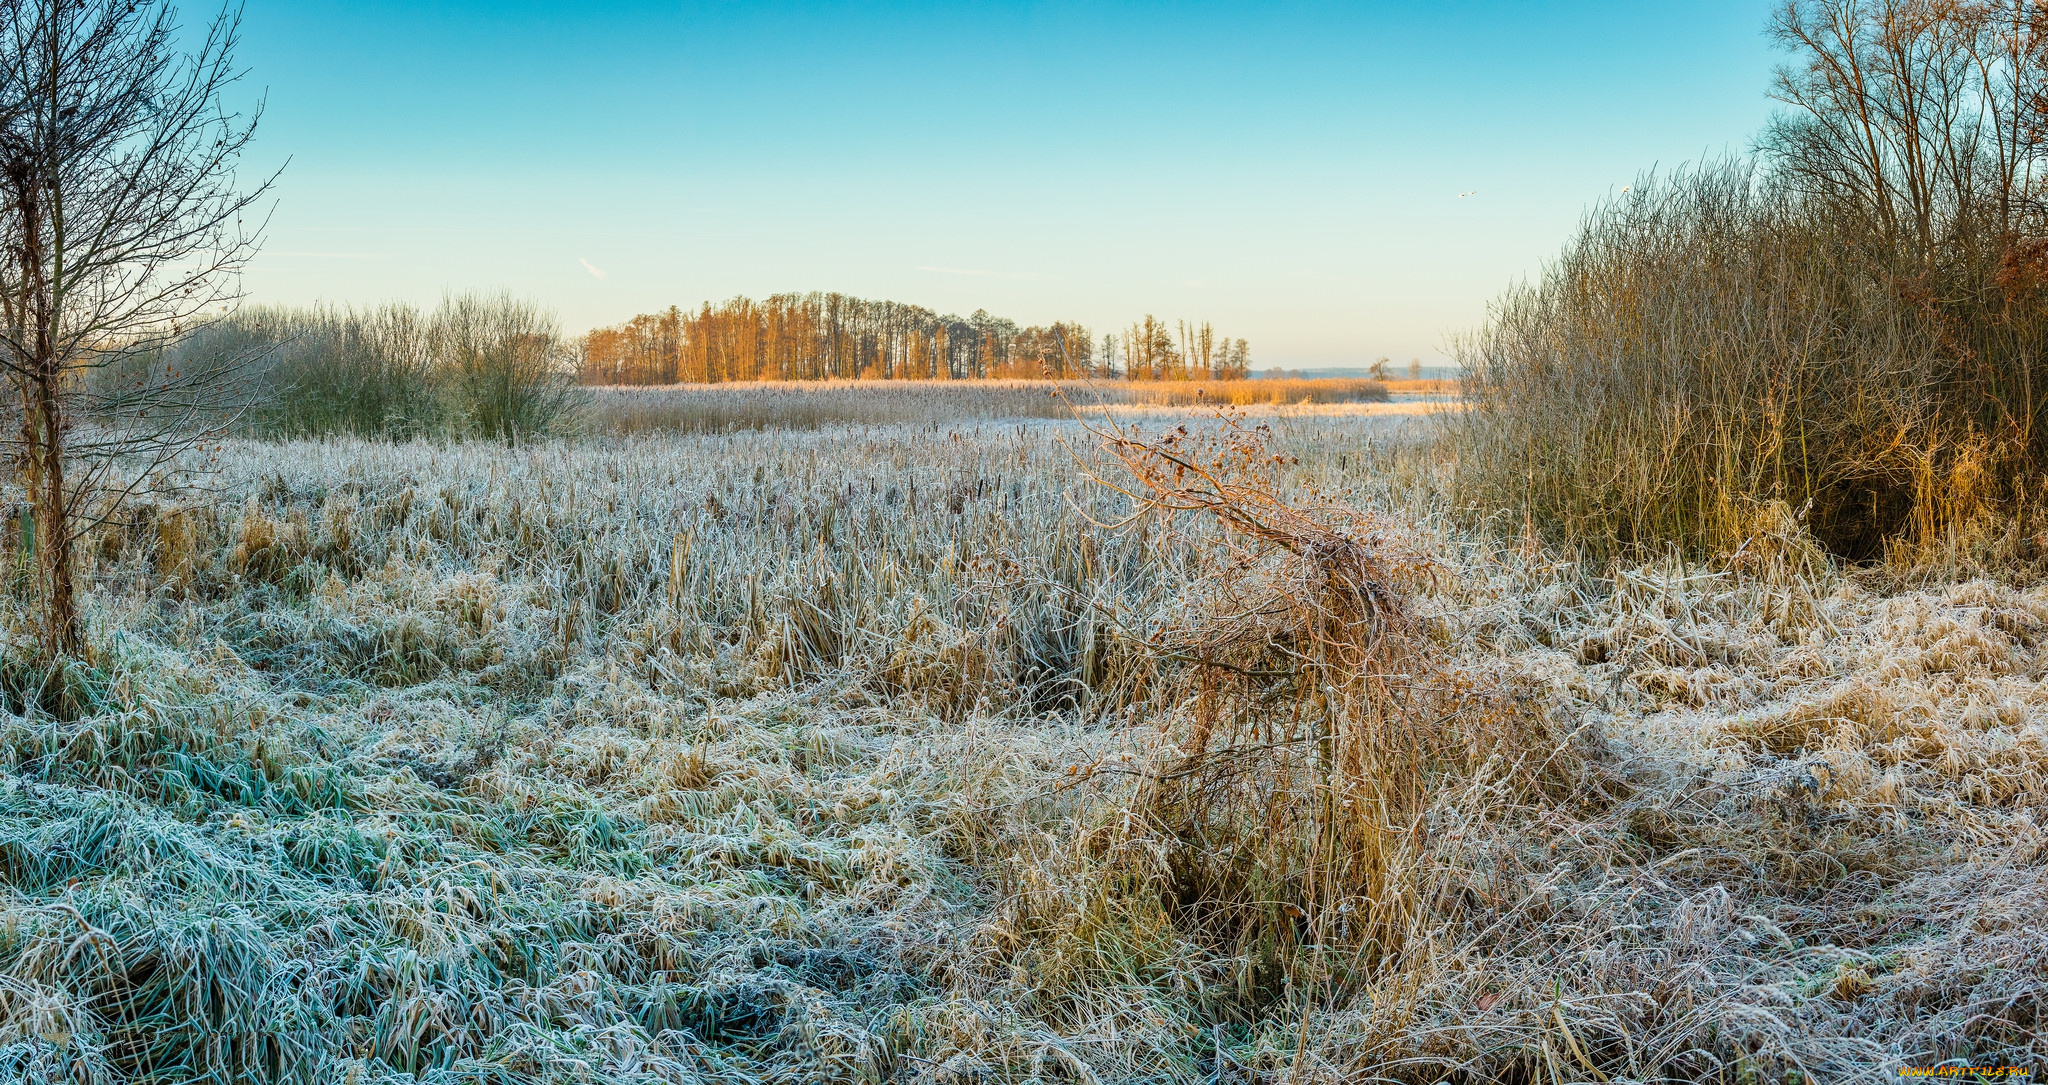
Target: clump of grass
column 1293, row 837
column 1324, row 726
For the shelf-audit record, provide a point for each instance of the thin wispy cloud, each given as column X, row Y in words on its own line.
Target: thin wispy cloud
column 308, row 255
column 592, row 268
column 982, row 274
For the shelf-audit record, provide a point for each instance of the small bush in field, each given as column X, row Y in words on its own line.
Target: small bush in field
column 501, row 367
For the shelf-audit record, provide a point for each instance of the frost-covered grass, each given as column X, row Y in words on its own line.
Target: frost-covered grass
column 824, row 756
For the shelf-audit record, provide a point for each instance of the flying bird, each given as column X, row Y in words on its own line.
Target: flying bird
column 1474, row 192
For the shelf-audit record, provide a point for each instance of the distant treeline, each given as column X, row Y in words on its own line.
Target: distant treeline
column 825, row 336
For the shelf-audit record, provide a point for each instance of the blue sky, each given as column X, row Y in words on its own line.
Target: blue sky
column 1289, row 172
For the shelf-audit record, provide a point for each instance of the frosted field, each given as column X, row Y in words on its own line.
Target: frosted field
column 824, row 755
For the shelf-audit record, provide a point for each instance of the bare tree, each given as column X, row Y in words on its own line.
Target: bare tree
column 1919, row 118
column 121, row 227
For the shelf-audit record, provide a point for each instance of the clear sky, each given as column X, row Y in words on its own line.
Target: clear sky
column 1290, row 172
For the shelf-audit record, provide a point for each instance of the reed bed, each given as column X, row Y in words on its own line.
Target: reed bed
column 930, row 753
column 1423, row 387
column 727, row 408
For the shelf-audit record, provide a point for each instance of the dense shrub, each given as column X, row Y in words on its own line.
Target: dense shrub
column 491, row 367
column 365, row 372
column 1703, row 357
column 502, row 367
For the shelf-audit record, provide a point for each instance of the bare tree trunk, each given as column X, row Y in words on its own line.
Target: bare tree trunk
column 43, row 428
column 60, row 614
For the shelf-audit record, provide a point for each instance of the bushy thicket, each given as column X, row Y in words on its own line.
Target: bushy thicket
column 1707, row 359
column 1846, row 331
column 477, row 366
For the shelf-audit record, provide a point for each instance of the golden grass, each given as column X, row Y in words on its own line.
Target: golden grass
column 1423, row 387
column 724, row 408
column 876, row 754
